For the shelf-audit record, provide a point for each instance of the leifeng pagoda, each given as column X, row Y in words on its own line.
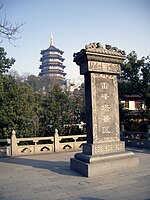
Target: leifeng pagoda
column 52, row 63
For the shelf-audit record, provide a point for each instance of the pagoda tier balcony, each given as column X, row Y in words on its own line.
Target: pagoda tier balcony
column 50, row 56
column 54, row 72
column 51, row 65
column 53, row 75
column 55, row 62
column 51, row 60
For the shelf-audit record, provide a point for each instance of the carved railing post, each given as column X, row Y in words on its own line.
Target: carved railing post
column 56, row 141
column 13, row 144
column 35, row 145
column 75, row 143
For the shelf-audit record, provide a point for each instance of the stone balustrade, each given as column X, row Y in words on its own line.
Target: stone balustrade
column 38, row 145
column 137, row 139
column 5, row 148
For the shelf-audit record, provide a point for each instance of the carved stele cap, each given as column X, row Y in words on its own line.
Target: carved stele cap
column 96, row 58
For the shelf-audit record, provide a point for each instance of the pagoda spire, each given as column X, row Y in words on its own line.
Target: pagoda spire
column 51, row 40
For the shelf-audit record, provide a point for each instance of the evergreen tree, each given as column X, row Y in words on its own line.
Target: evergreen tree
column 16, row 108
column 135, row 79
column 5, row 63
column 130, row 75
column 55, row 112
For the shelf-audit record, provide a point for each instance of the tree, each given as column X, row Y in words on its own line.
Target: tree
column 145, row 80
column 8, row 30
column 145, row 85
column 78, row 104
column 62, row 110
column 55, row 112
column 5, row 63
column 130, row 75
column 40, row 84
column 17, row 108
column 135, row 79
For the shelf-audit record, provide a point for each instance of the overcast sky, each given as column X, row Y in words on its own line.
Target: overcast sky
column 75, row 23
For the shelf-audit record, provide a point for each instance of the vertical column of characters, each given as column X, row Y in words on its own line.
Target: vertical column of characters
column 105, row 108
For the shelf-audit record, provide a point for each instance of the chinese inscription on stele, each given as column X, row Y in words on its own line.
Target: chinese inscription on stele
column 104, row 100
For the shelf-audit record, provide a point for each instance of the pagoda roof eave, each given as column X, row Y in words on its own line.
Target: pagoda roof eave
column 52, row 65
column 49, row 74
column 51, row 57
column 52, row 48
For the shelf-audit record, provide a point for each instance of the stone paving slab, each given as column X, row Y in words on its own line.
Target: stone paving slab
column 48, row 177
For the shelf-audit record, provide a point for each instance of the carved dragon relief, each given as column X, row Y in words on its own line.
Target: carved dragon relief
column 97, row 47
column 108, row 48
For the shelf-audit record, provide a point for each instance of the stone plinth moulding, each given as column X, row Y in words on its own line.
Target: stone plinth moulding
column 103, row 152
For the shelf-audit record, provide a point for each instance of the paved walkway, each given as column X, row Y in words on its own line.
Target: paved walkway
column 48, row 177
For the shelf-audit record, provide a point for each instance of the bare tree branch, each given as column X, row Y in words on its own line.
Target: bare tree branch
column 8, row 30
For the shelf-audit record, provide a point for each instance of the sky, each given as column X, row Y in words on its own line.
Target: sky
column 74, row 24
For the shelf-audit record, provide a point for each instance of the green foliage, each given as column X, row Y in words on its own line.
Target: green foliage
column 40, row 84
column 16, row 107
column 145, row 81
column 60, row 109
column 130, row 75
column 135, row 79
column 135, row 76
column 36, row 106
column 5, row 63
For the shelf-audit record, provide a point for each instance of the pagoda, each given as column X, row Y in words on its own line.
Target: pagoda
column 52, row 63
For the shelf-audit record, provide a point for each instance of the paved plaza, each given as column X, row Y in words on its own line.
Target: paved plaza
column 48, row 177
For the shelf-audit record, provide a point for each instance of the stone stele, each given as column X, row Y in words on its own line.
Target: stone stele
column 103, row 152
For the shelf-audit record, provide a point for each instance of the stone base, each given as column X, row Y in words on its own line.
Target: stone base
column 92, row 166
column 103, row 148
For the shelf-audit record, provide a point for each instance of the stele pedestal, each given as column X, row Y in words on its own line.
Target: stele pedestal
column 103, row 152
